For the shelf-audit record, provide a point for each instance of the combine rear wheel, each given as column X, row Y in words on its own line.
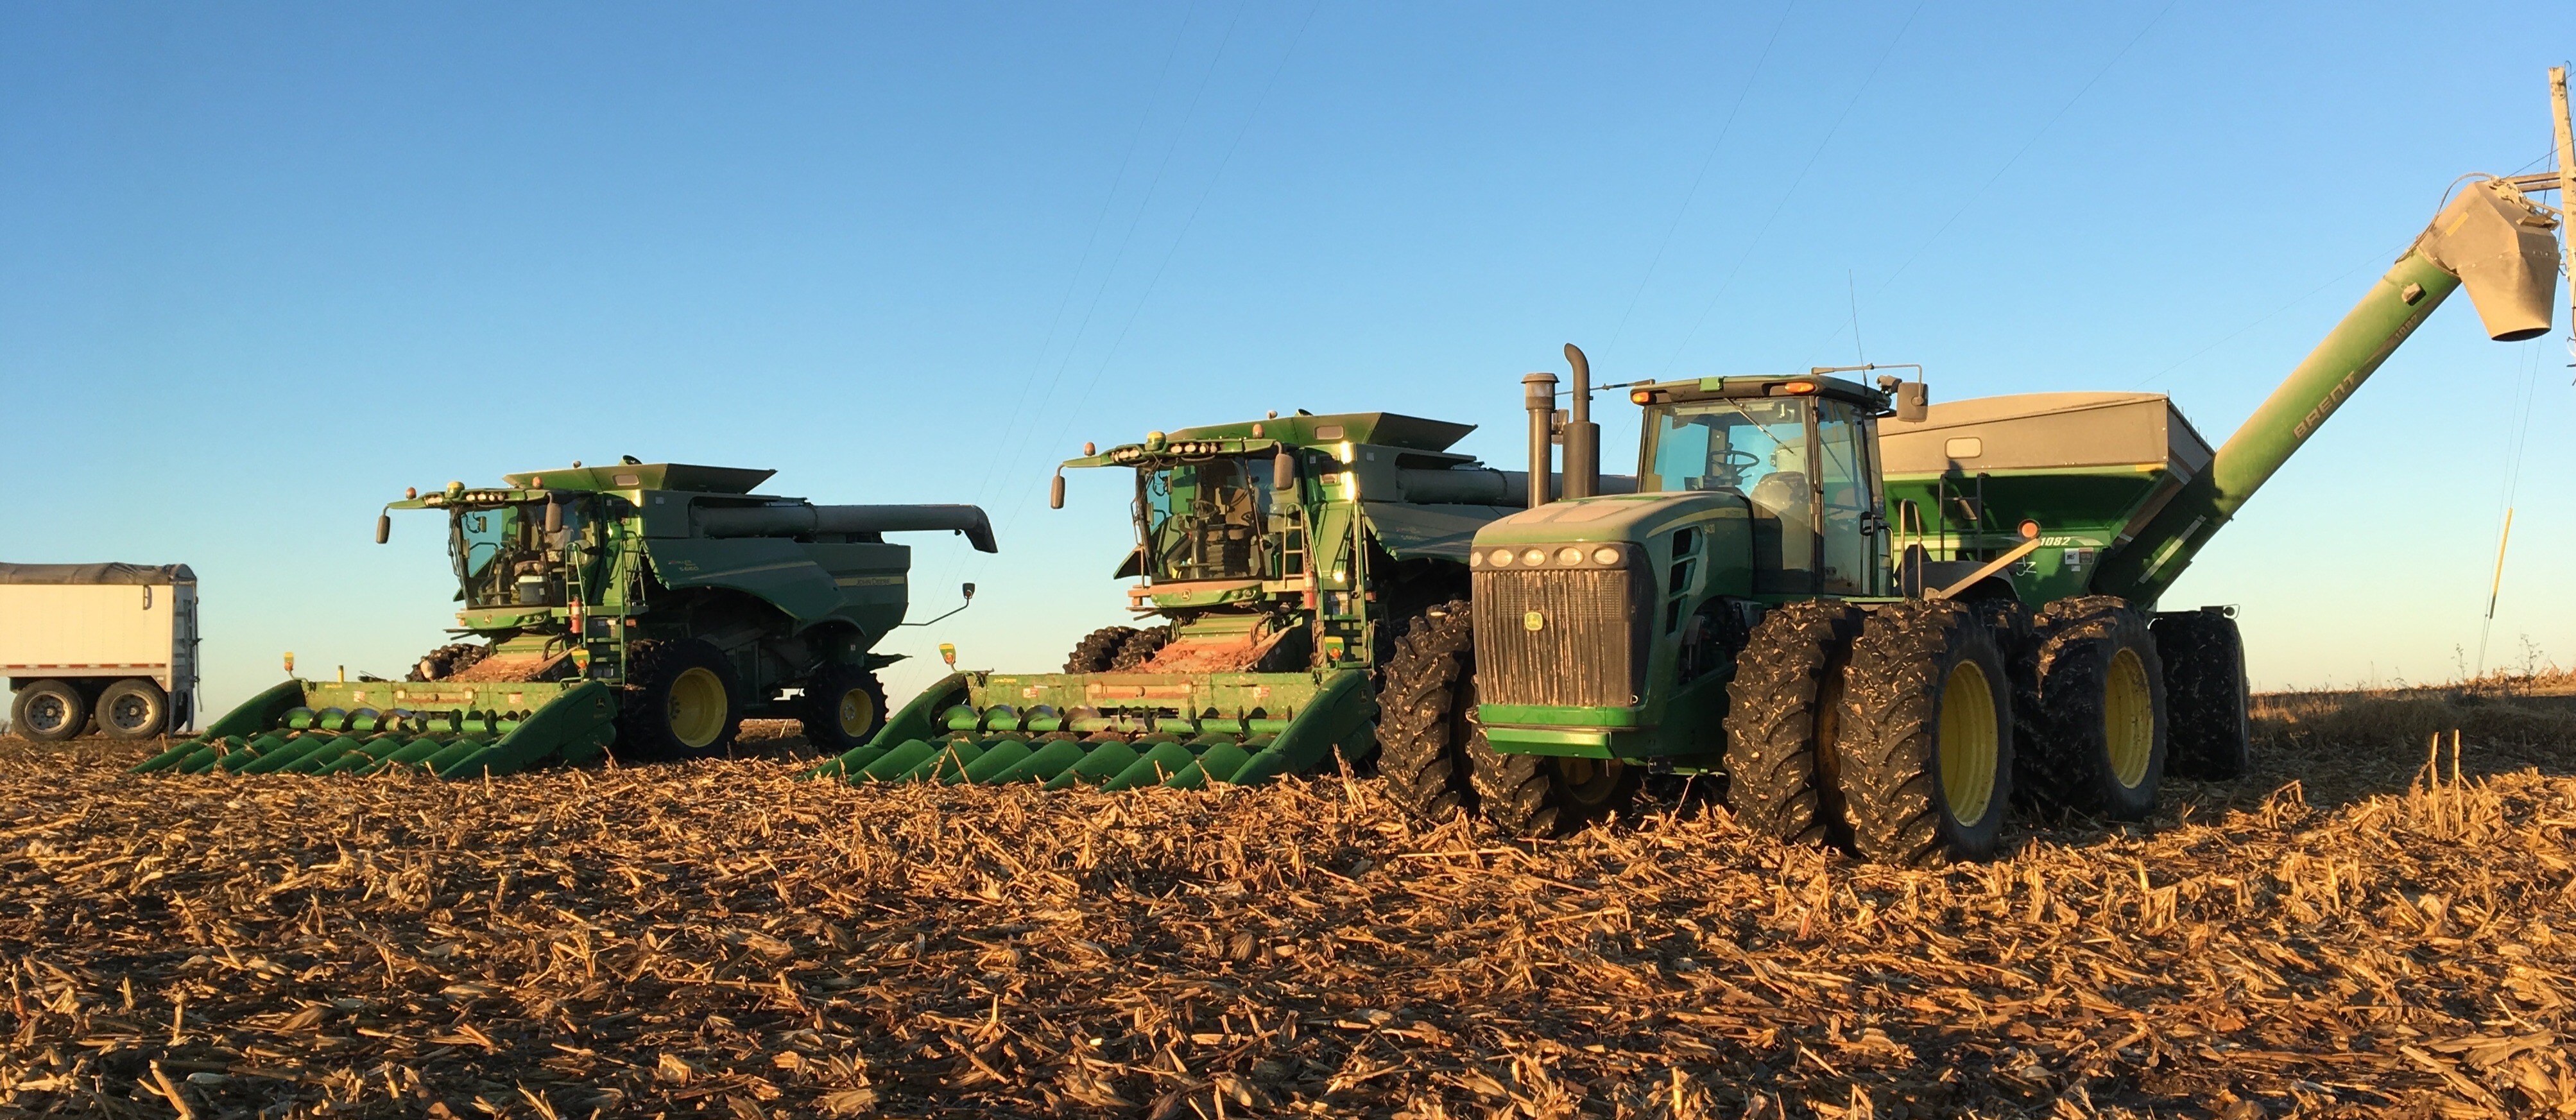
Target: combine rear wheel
column 1427, row 714
column 1926, row 748
column 1139, row 648
column 133, row 709
column 2093, row 734
column 49, row 711
column 681, row 700
column 844, row 707
column 1096, row 649
column 2205, row 693
column 1781, row 716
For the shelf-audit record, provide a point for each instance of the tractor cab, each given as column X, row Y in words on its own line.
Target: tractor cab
column 1797, row 453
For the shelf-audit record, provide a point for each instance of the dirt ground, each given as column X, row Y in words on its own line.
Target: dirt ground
column 2336, row 936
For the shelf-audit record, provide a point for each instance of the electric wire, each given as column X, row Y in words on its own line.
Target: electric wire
column 1718, row 296
column 2512, row 482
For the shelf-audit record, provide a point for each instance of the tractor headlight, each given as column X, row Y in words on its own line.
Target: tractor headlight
column 1605, row 556
column 1534, row 557
column 1502, row 558
column 1569, row 556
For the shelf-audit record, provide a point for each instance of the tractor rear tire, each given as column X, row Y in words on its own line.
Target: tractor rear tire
column 844, row 707
column 1139, row 648
column 1781, row 715
column 1427, row 715
column 2092, row 728
column 133, row 709
column 1926, row 747
column 1093, row 653
column 681, row 701
column 49, row 711
column 2205, row 693
column 447, row 661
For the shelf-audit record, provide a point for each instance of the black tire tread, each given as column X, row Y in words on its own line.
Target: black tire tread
column 2205, row 693
column 1424, row 722
column 1096, row 649
column 2057, row 708
column 1773, row 776
column 641, row 728
column 1891, row 786
column 821, row 706
column 1139, row 648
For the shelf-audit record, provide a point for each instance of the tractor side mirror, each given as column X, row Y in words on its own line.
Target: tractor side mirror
column 384, row 527
column 1055, row 490
column 1912, row 401
column 1283, row 470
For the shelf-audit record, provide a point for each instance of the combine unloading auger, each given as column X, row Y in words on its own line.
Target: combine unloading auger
column 1283, row 560
column 642, row 608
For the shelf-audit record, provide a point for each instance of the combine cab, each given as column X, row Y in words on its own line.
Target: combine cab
column 645, row 608
column 1278, row 563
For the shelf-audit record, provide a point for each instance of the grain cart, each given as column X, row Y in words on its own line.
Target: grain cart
column 1276, row 560
column 1860, row 659
column 106, row 645
column 647, row 607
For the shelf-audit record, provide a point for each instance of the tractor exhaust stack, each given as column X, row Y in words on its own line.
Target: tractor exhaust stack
column 1538, row 394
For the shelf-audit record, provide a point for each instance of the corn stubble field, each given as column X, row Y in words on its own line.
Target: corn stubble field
column 2337, row 936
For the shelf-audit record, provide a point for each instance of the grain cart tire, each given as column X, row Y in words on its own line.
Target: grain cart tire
column 49, row 711
column 681, row 701
column 1093, row 653
column 1427, row 714
column 2091, row 727
column 1926, row 747
column 1139, row 648
column 447, row 661
column 2205, row 694
column 1783, row 708
column 133, row 708
column 844, row 706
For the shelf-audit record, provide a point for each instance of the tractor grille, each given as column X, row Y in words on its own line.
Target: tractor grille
column 1587, row 651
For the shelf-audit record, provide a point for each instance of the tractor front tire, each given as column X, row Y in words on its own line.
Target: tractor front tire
column 1535, row 796
column 49, row 711
column 844, row 707
column 1427, row 715
column 1926, row 746
column 2205, row 693
column 1782, row 713
column 132, row 709
column 1139, row 648
column 1096, row 649
column 681, row 701
column 2092, row 731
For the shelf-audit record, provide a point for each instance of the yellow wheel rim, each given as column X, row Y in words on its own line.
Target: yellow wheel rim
column 1589, row 781
column 858, row 712
column 697, row 707
column 2128, row 718
column 1969, row 743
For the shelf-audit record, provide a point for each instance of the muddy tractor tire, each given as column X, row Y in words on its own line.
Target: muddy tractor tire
column 1139, row 648
column 1096, row 649
column 1427, row 715
column 1925, row 751
column 1782, row 713
column 447, row 661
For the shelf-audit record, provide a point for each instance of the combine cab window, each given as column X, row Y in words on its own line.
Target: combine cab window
column 501, row 555
column 1206, row 520
column 1757, row 448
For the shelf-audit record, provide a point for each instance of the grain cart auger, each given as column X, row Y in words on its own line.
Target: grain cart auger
column 1880, row 638
column 644, row 608
column 1276, row 562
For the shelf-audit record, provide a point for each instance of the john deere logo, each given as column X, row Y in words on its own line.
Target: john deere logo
column 1533, row 621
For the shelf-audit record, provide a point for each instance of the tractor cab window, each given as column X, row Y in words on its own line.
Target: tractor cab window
column 1205, row 520
column 1758, row 448
column 500, row 555
column 1843, row 480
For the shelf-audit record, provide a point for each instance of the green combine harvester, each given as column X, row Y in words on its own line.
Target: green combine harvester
column 642, row 608
column 1880, row 621
column 1277, row 561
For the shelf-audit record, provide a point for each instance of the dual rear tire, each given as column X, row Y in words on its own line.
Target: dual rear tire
column 55, row 711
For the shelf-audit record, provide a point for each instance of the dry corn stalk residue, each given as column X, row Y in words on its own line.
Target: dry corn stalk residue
column 722, row 939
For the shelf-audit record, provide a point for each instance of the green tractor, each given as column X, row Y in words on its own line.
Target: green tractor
column 643, row 607
column 1276, row 561
column 1883, row 622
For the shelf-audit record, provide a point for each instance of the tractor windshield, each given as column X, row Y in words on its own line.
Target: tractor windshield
column 1205, row 520
column 501, row 555
column 1757, row 448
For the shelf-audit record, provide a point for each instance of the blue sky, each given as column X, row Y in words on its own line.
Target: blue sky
column 266, row 265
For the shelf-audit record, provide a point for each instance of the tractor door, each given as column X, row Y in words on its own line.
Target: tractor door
column 1852, row 553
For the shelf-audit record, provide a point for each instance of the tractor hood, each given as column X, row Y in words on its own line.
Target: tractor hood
column 1608, row 518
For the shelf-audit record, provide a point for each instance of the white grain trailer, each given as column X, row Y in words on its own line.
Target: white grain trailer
column 110, row 644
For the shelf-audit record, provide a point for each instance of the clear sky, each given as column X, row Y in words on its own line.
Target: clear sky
column 262, row 266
